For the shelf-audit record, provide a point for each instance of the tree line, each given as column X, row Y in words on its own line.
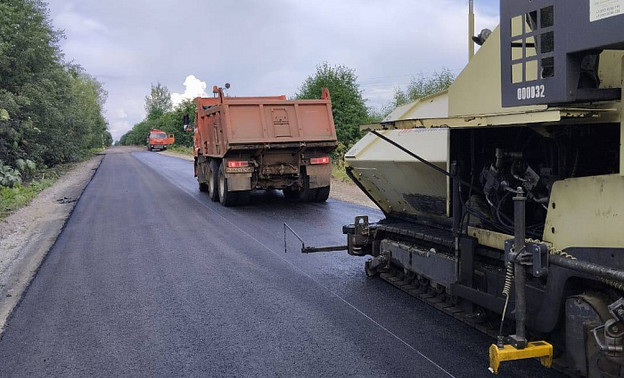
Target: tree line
column 50, row 110
column 161, row 116
column 348, row 105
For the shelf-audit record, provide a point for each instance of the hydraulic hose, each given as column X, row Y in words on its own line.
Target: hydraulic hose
column 601, row 271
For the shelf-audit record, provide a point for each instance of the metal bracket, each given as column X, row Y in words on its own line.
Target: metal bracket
column 361, row 225
column 610, row 343
column 612, row 331
column 617, row 309
column 535, row 255
column 304, row 249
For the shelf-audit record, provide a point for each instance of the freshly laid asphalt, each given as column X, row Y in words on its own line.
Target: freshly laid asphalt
column 151, row 278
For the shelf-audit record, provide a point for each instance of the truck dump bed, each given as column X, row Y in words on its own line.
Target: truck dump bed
column 226, row 123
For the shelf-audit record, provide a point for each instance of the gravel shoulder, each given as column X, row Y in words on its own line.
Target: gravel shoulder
column 340, row 190
column 27, row 235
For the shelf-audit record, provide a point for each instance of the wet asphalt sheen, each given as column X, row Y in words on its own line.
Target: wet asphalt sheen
column 151, row 278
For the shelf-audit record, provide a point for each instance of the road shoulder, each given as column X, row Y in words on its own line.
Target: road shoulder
column 27, row 235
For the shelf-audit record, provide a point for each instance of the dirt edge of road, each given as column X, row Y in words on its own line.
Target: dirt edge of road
column 340, row 190
column 28, row 234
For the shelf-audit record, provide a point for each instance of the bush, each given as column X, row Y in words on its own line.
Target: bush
column 9, row 177
column 26, row 167
column 20, row 194
column 348, row 106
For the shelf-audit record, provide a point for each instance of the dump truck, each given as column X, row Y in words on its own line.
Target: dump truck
column 242, row 144
column 504, row 195
column 157, row 139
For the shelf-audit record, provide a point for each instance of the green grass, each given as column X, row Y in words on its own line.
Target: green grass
column 12, row 199
column 339, row 173
column 181, row 149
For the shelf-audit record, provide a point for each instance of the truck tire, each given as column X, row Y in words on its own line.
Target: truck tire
column 322, row 194
column 226, row 197
column 243, row 198
column 213, row 181
column 307, row 194
column 291, row 193
column 203, row 187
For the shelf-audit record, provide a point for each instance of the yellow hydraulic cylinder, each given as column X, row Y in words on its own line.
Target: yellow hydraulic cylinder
column 535, row 349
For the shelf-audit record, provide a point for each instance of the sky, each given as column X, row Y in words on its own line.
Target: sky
column 260, row 47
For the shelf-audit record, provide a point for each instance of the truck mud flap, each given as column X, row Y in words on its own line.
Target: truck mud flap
column 320, row 175
column 238, row 181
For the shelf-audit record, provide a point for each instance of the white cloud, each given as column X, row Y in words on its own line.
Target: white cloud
column 193, row 88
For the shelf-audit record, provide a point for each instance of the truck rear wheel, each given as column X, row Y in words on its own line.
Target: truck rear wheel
column 322, row 194
column 226, row 197
column 213, row 181
column 291, row 193
column 307, row 194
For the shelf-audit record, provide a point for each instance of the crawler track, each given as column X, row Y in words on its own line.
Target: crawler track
column 447, row 304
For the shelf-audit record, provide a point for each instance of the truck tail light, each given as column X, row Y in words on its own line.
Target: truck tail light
column 320, row 160
column 237, row 164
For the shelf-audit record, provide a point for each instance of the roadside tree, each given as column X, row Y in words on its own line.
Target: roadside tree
column 169, row 122
column 349, row 108
column 158, row 102
column 423, row 86
column 50, row 111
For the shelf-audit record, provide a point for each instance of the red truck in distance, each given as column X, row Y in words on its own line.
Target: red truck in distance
column 157, row 139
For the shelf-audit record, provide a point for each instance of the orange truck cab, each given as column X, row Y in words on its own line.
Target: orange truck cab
column 159, row 139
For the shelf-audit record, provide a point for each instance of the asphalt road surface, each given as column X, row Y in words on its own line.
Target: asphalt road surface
column 151, row 278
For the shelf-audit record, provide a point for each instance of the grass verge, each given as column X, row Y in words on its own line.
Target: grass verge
column 181, row 149
column 12, row 199
column 339, row 173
